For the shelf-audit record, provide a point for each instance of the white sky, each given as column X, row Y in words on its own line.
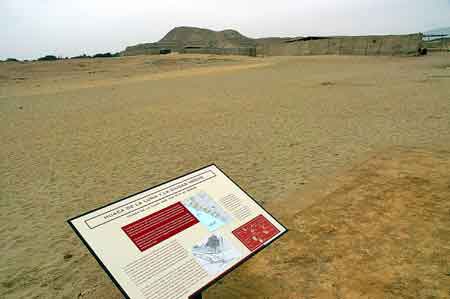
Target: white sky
column 34, row 28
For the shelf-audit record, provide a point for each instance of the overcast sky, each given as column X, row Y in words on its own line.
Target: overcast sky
column 33, row 28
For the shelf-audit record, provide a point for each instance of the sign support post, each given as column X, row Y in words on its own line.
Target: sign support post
column 197, row 296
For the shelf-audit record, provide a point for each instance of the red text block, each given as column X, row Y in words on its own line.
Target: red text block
column 255, row 232
column 159, row 226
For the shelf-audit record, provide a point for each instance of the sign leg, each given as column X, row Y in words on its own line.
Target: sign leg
column 197, row 296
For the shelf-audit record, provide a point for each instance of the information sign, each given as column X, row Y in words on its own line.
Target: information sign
column 176, row 239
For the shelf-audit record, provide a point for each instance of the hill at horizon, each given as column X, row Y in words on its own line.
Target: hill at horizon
column 187, row 35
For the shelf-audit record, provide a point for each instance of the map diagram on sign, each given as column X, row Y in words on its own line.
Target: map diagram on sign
column 215, row 254
column 207, row 211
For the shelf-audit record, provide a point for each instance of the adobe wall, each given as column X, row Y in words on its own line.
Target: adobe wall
column 152, row 48
column 221, row 51
column 348, row 45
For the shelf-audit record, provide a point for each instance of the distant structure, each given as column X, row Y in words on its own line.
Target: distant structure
column 152, row 48
column 388, row 45
column 437, row 39
column 198, row 40
column 437, row 42
column 231, row 42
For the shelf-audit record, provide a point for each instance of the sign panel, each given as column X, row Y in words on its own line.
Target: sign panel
column 176, row 239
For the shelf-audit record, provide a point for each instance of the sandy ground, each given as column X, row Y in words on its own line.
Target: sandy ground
column 380, row 230
column 78, row 134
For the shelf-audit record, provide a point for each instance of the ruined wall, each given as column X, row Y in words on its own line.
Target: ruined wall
column 440, row 44
column 344, row 45
column 193, row 48
column 319, row 47
column 348, row 45
column 221, row 51
column 151, row 48
column 140, row 50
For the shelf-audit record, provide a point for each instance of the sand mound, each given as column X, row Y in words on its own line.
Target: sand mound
column 379, row 231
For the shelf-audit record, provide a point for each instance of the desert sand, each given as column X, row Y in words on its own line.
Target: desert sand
column 297, row 133
column 379, row 230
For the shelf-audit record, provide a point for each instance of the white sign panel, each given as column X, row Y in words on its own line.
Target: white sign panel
column 176, row 239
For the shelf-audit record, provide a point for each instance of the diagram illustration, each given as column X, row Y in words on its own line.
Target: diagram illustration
column 215, row 254
column 207, row 211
